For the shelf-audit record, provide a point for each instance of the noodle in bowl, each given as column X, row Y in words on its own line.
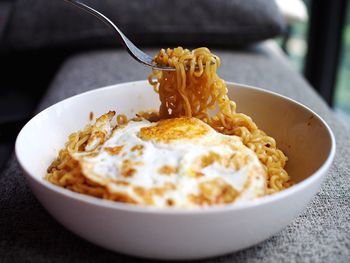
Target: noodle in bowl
column 177, row 233
column 209, row 153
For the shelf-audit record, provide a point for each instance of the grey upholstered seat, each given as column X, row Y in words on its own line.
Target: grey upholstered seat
column 319, row 234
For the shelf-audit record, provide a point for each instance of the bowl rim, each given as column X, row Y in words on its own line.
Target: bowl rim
column 89, row 200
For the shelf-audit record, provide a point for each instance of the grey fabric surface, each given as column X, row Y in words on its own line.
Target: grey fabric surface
column 42, row 23
column 321, row 233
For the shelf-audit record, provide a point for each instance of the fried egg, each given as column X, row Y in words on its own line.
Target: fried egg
column 179, row 162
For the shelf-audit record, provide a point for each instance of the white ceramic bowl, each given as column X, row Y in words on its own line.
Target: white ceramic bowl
column 177, row 234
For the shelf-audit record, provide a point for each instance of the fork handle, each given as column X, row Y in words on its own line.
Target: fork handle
column 127, row 44
column 99, row 16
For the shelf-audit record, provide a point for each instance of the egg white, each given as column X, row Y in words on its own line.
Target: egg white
column 106, row 168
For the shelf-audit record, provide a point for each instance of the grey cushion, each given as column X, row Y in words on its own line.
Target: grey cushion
column 321, row 233
column 42, row 23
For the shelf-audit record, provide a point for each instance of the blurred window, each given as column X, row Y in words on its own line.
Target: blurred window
column 294, row 42
column 342, row 89
column 295, row 45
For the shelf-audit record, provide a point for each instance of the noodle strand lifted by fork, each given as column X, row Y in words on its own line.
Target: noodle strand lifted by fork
column 195, row 90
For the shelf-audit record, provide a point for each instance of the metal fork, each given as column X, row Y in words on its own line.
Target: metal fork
column 135, row 52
